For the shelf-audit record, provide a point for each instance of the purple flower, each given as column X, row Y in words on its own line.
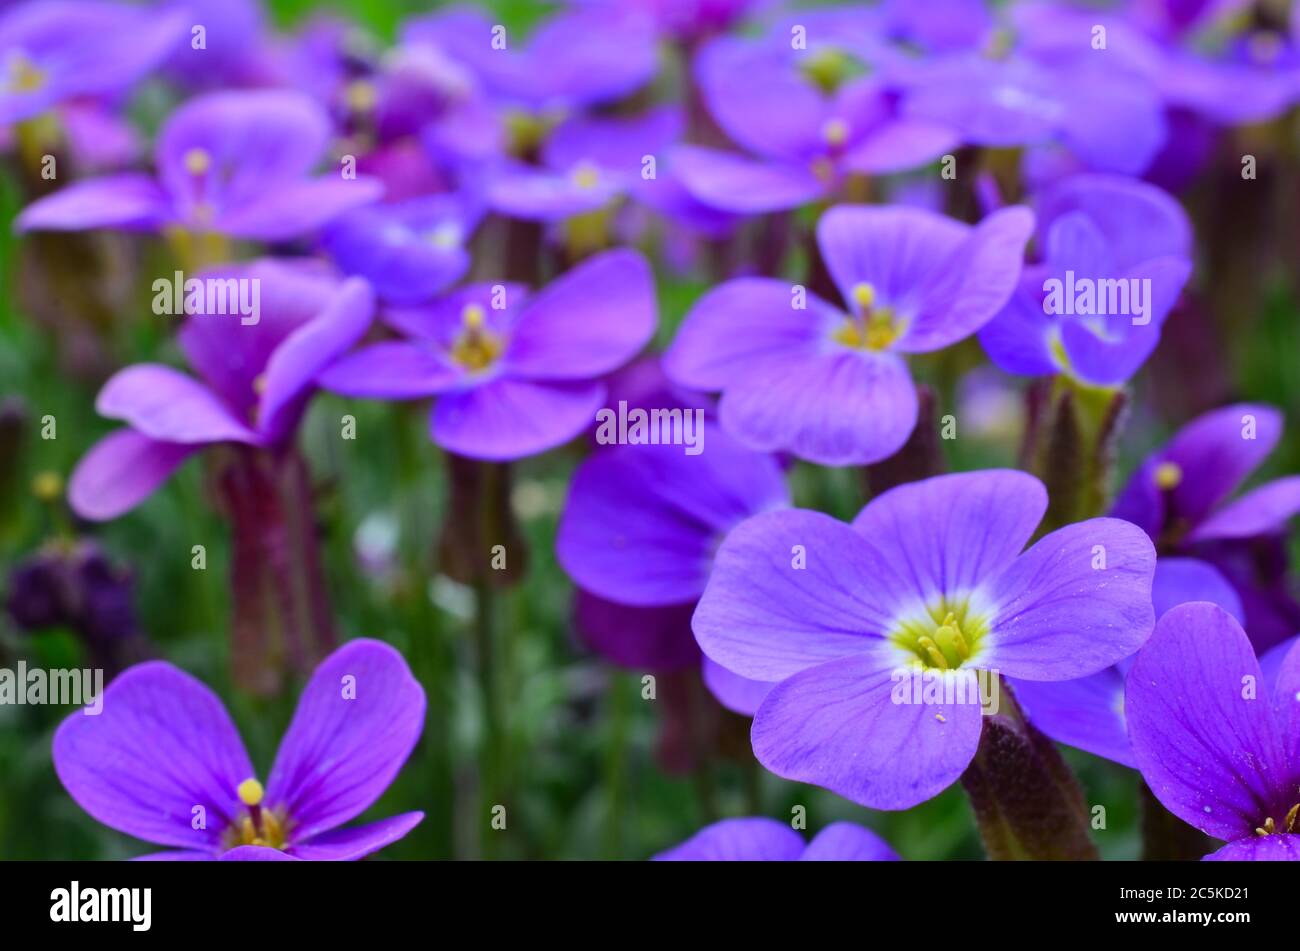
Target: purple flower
column 164, row 763
column 759, row 839
column 1088, row 713
column 255, row 380
column 586, row 164
column 572, row 60
column 514, row 375
column 810, row 116
column 1214, row 737
column 672, row 510
column 1180, row 497
column 409, row 251
column 230, row 163
column 51, row 52
column 928, row 583
column 1120, row 247
column 800, row 374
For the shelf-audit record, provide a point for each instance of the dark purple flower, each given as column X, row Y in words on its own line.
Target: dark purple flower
column 1214, row 737
column 759, row 839
column 1180, row 497
column 237, row 48
column 410, row 250
column 255, row 380
column 164, row 763
column 810, row 116
column 928, row 583
column 514, row 375
column 800, row 374
column 1088, row 713
column 55, row 50
column 1123, row 245
column 229, row 163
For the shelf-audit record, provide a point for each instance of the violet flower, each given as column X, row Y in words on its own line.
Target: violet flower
column 811, row 117
column 228, row 163
column 928, row 581
column 52, row 51
column 514, row 375
column 1214, row 738
column 830, row 385
column 1088, row 713
column 164, row 763
column 410, row 250
column 1180, row 497
column 1094, row 232
column 759, row 839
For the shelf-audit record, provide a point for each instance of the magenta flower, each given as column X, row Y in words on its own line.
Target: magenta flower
column 830, row 385
column 1216, row 740
column 51, row 52
column 929, row 580
column 1094, row 232
column 164, row 763
column 255, row 382
column 759, row 839
column 514, row 375
column 229, row 163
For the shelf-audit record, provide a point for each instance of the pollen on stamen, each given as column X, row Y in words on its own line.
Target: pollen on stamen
column 1168, row 475
column 250, row 792
column 835, row 132
column 864, row 296
column 473, row 316
column 586, row 175
column 197, row 161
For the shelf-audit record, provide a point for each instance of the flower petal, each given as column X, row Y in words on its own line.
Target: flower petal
column 1259, row 512
column 837, row 726
column 947, row 534
column 838, row 408
column 738, row 694
column 509, row 419
column 347, row 845
column 1215, row 452
column 589, row 322
column 297, row 208
column 656, row 638
column 1087, row 713
column 168, row 406
column 1179, row 580
column 740, row 322
column 1077, row 601
column 1266, row 848
column 357, row 720
column 742, row 185
column 256, row 853
column 390, row 370
column 848, row 842
column 127, row 201
column 757, row 839
column 121, row 471
column 1208, row 748
column 162, row 746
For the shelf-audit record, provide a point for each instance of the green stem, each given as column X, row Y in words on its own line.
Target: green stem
column 490, row 776
column 616, row 762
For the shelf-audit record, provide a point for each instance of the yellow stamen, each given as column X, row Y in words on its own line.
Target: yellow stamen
column 1168, row 475
column 197, row 161
column 586, row 175
column 250, row 792
column 477, row 347
column 259, row 384
column 949, row 635
column 24, row 75
column 1268, row 828
column 1291, row 817
column 360, row 96
column 47, row 486
column 864, row 296
column 932, row 650
column 473, row 316
column 835, row 132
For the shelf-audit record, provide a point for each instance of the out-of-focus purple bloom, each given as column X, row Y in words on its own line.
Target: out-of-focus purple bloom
column 672, row 510
column 799, row 374
column 1214, row 737
column 810, row 116
column 1088, row 713
column 1179, row 496
column 685, row 19
column 1040, row 81
column 928, row 582
column 164, row 763
column 409, row 251
column 514, row 375
column 55, row 50
column 760, row 839
column 254, row 384
column 1115, row 254
column 236, row 50
column 231, row 163
column 572, row 60
column 586, row 164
